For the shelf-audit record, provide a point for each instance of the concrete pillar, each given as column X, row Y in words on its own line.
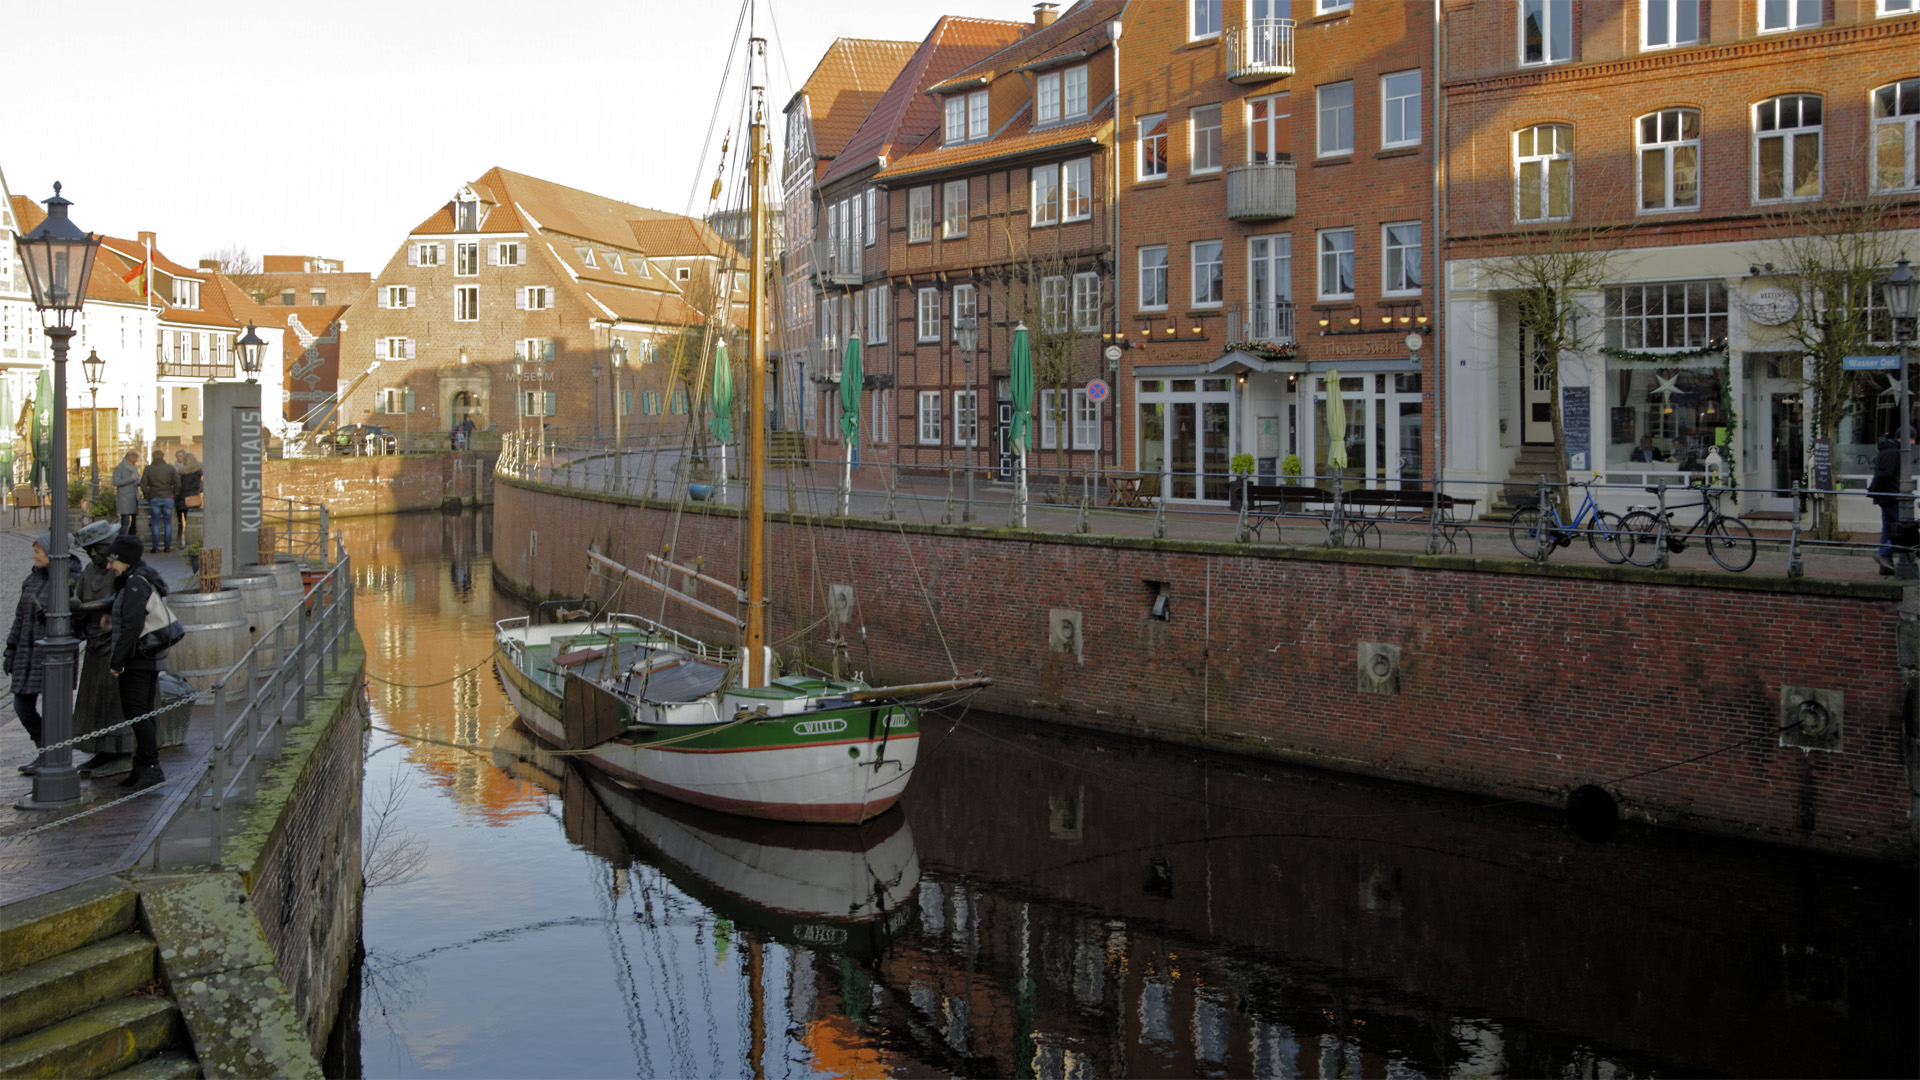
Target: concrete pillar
column 236, row 444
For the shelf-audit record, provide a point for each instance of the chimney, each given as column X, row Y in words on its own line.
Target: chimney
column 147, row 240
column 210, row 264
column 1044, row 14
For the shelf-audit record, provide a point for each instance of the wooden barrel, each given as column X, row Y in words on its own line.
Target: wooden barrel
column 292, row 589
column 260, row 594
column 216, row 639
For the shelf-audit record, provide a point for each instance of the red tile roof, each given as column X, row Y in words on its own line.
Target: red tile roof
column 1084, row 28
column 905, row 114
column 1019, row 139
column 846, row 85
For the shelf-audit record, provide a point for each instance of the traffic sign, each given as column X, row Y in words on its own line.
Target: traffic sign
column 1870, row 363
column 1097, row 390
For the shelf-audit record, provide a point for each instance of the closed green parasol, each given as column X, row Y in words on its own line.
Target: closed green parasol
column 1022, row 388
column 1336, row 424
column 850, row 385
column 42, row 429
column 721, row 422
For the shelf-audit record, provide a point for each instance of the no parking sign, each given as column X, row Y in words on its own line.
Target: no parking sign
column 1097, row 390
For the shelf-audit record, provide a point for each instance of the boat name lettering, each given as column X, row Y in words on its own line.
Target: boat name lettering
column 820, row 935
column 902, row 720
column 819, row 727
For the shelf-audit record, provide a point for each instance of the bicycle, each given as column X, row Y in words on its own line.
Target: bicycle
column 1536, row 533
column 1727, row 539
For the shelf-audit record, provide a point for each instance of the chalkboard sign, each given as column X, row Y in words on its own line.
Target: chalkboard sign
column 1822, row 465
column 1576, row 419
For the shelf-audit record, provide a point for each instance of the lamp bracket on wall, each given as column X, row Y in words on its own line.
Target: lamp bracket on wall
column 1160, row 329
column 1395, row 317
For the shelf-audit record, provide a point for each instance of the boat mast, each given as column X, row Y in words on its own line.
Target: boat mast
column 754, row 666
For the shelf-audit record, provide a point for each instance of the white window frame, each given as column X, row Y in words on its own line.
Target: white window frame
column 466, row 298
column 1333, row 119
column 1396, row 104
column 1205, row 19
column 586, row 258
column 1076, row 190
column 1085, row 418
column 1146, row 141
column 1791, row 15
column 1270, row 122
column 929, row 418
column 424, row 254
column 1205, row 143
column 1204, row 254
column 1668, row 149
column 397, row 296
column 1053, row 304
column 533, row 298
column 1555, row 160
column 953, row 213
column 927, row 315
column 1086, row 302
column 1664, row 15
column 1554, row 15
column 979, row 115
column 882, row 400
column 397, row 348
column 1327, row 244
column 1328, row 7
column 1073, row 93
column 1789, row 149
column 1044, row 211
column 872, row 205
column 1907, row 123
column 466, row 253
column 920, row 215
column 1394, row 257
column 954, row 130
column 879, row 314
column 1153, row 278
column 1891, row 8
column 966, row 418
column 614, row 264
column 1046, row 99
column 966, row 305
column 507, row 253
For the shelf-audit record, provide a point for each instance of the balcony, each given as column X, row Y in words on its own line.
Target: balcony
column 1262, row 192
column 1260, row 51
column 837, row 265
column 1269, row 321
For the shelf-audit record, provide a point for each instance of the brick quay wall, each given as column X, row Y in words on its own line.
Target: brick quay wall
column 1492, row 676
column 394, row 484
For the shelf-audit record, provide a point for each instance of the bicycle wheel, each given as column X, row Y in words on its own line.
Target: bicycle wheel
column 1644, row 530
column 1526, row 531
column 1730, row 543
column 1609, row 538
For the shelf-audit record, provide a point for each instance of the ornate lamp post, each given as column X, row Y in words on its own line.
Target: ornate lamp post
column 96, row 369
column 617, row 352
column 596, row 402
column 968, row 334
column 58, row 260
column 1901, row 292
column 252, row 353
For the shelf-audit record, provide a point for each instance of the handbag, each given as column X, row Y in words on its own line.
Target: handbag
column 194, row 502
column 161, row 631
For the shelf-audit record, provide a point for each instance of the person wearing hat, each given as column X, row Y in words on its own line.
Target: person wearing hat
column 139, row 675
column 26, row 659
column 98, row 704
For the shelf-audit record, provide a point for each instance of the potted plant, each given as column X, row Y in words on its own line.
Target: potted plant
column 1241, row 467
column 193, row 556
column 1290, row 469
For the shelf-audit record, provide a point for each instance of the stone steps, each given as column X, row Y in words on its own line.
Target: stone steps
column 72, row 983
column 168, row 1065
column 102, row 1040
column 46, row 926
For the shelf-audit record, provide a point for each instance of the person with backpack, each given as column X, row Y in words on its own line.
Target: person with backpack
column 137, row 668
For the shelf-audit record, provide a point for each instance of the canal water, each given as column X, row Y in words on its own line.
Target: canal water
column 1051, row 903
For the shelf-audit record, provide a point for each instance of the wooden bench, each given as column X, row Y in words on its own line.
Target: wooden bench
column 1268, row 503
column 1368, row 508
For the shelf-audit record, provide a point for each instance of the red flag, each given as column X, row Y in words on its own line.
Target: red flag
column 139, row 274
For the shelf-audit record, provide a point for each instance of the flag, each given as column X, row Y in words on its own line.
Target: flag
column 138, row 277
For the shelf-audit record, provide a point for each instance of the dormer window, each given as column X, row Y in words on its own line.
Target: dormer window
column 466, row 215
column 956, row 120
column 1061, row 95
column 977, row 115
column 587, row 259
column 186, row 293
column 613, row 263
column 966, row 117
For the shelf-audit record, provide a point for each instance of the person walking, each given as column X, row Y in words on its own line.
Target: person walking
column 139, row 675
column 1884, row 489
column 98, row 703
column 160, row 483
column 191, row 473
column 126, row 492
column 26, row 660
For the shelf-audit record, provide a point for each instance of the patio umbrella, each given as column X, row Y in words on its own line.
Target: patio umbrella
column 42, row 429
column 850, row 384
column 6, row 439
column 1336, row 424
column 721, row 422
column 1022, row 433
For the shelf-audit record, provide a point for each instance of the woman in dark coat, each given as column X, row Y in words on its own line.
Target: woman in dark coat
column 26, row 661
column 191, row 473
column 98, row 704
column 139, row 675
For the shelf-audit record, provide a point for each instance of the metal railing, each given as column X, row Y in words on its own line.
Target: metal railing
column 1263, row 191
column 202, row 811
column 301, row 527
column 1260, row 50
column 1270, row 321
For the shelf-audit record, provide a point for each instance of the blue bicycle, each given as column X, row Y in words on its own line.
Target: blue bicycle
column 1536, row 533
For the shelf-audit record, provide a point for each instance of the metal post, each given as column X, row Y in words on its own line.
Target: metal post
column 973, row 439
column 1661, row 555
column 93, row 449
column 57, row 783
column 1904, row 568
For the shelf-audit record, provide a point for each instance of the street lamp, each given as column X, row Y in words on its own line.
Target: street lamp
column 96, row 370
column 58, row 260
column 596, row 402
column 1901, row 292
column 967, row 332
column 252, row 353
column 617, row 352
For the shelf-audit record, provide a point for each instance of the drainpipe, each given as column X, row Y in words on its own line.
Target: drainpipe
column 1113, row 232
column 1439, row 250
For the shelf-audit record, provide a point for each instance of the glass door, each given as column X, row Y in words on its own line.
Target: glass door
column 1187, row 435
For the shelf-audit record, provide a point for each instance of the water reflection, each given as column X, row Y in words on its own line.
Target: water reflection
column 1051, row 904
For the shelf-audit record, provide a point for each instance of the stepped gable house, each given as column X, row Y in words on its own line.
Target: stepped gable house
column 821, row 116
column 1004, row 214
column 505, row 304
column 850, row 287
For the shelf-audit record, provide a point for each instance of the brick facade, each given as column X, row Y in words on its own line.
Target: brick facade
column 1521, row 683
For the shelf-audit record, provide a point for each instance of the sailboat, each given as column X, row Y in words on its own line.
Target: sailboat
column 713, row 724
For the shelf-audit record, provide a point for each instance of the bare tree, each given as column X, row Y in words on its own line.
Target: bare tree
column 241, row 268
column 1040, row 294
column 1832, row 253
column 391, row 854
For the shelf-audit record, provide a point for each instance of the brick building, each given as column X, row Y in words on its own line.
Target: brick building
column 506, row 304
column 1004, row 215
column 1694, row 137
column 850, row 280
column 306, row 281
column 1270, row 166
column 821, row 116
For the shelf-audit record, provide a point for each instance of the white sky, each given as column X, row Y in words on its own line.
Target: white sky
column 221, row 122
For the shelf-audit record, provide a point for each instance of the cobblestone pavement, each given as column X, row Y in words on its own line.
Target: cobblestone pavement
column 88, row 847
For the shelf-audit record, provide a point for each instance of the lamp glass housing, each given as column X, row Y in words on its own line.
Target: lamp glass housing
column 96, row 368
column 57, row 258
column 251, row 346
column 1899, row 291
